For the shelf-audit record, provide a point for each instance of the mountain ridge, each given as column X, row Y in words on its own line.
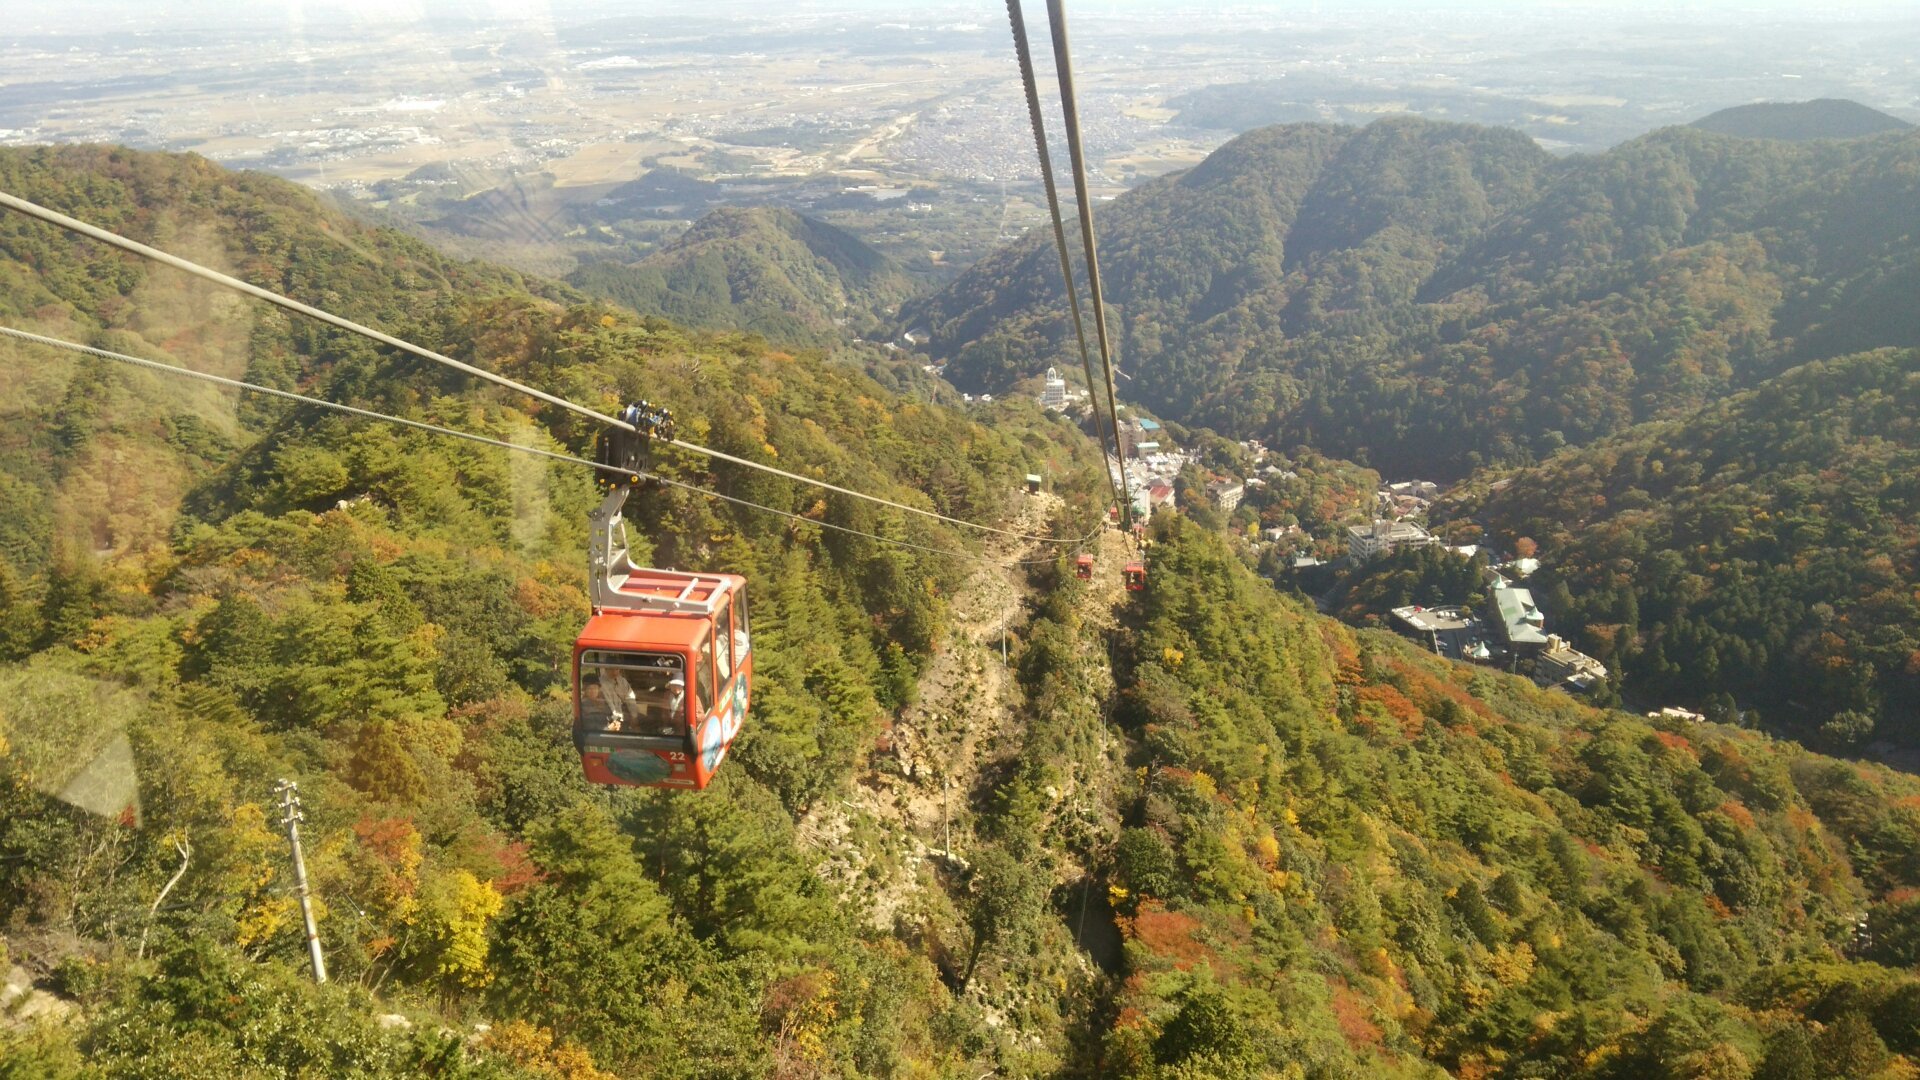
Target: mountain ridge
column 767, row 270
column 1822, row 118
column 1505, row 303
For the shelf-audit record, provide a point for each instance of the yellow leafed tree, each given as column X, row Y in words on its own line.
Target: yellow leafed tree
column 455, row 908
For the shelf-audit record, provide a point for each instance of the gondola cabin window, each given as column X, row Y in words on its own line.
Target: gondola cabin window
column 634, row 693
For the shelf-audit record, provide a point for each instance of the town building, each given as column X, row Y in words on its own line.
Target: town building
column 1453, row 632
column 1562, row 664
column 1420, row 489
column 1140, row 437
column 1370, row 541
column 1518, row 620
column 1226, row 495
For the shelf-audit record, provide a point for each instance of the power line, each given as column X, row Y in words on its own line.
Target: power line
column 436, row 429
column 71, row 224
column 1025, row 56
column 54, row 217
column 1070, row 114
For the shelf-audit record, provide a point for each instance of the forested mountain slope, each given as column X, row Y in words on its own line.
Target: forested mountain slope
column 763, row 269
column 201, row 595
column 1766, row 548
column 1427, row 297
column 88, row 464
column 1278, row 846
column 1341, row 856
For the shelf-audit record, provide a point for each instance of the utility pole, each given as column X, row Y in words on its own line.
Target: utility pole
column 291, row 817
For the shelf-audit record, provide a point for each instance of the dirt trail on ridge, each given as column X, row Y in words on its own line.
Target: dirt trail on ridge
column 910, row 803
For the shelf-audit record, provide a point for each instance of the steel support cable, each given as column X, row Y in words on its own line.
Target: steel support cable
column 1025, row 56
column 54, row 217
column 1070, row 115
column 436, row 429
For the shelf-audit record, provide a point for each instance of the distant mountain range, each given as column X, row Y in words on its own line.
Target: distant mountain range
column 763, row 269
column 1428, row 297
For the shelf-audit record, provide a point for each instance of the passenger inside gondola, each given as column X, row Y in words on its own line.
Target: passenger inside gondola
column 633, row 699
column 593, row 708
column 616, row 694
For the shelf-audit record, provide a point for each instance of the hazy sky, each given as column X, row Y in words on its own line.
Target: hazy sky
column 69, row 15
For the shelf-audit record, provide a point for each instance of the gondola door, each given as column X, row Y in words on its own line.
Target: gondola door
column 727, row 652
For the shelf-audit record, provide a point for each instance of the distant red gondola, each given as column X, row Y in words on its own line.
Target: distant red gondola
column 1083, row 567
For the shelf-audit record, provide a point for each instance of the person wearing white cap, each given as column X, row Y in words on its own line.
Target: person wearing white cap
column 676, row 712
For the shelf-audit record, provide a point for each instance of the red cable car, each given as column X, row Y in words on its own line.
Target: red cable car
column 663, row 671
column 1135, row 576
column 1083, row 566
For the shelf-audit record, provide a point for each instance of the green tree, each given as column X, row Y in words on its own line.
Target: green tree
column 1849, row 1048
column 19, row 615
column 1006, row 901
column 1847, row 730
column 1207, row 1025
column 582, row 950
column 1790, row 1056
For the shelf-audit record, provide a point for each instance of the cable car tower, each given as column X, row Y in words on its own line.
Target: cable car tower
column 663, row 670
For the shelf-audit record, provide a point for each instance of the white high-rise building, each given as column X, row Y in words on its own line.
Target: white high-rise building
column 1055, row 395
